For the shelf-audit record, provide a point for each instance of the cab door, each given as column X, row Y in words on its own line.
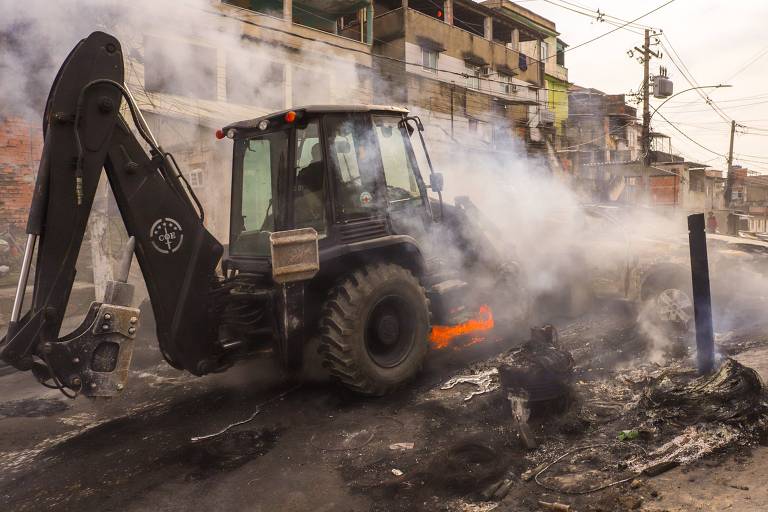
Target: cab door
column 406, row 193
column 359, row 193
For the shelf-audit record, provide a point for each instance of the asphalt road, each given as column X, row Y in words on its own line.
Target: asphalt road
column 308, row 447
column 312, row 446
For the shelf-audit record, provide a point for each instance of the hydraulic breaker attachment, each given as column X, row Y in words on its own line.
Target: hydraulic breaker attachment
column 94, row 359
column 85, row 133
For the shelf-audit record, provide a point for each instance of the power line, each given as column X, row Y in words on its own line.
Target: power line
column 688, row 76
column 748, row 64
column 600, row 16
column 733, row 107
column 730, row 100
column 688, row 137
column 379, row 56
column 620, row 27
column 596, row 138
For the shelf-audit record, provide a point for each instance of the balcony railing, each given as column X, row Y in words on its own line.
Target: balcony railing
column 392, row 25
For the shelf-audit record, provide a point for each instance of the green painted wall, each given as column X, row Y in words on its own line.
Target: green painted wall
column 557, row 100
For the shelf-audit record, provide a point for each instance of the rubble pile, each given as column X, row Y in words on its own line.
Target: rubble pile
column 608, row 429
column 733, row 395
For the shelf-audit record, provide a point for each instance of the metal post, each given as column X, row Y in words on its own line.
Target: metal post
column 702, row 299
column 453, row 86
column 729, row 176
column 21, row 287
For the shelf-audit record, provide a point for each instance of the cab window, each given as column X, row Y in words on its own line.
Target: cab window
column 260, row 161
column 353, row 159
column 398, row 166
column 309, row 183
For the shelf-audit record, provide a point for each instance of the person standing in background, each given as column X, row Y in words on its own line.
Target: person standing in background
column 711, row 223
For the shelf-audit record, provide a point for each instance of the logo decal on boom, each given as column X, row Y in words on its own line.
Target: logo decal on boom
column 166, row 235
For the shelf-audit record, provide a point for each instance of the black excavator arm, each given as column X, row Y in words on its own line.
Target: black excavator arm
column 84, row 133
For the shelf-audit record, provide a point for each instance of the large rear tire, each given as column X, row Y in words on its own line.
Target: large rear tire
column 374, row 329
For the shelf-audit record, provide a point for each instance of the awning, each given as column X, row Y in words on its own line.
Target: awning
column 474, row 59
column 515, row 101
column 430, row 44
column 334, row 7
column 506, row 70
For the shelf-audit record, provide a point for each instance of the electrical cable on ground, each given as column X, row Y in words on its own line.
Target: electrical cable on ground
column 258, row 410
column 586, row 491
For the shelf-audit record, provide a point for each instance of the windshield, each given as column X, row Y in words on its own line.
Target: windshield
column 259, row 162
column 398, row 169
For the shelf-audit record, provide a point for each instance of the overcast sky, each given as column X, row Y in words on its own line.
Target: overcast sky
column 714, row 39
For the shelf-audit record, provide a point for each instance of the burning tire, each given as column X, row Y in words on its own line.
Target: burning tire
column 374, row 329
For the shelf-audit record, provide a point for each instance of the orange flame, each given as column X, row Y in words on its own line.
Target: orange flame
column 442, row 335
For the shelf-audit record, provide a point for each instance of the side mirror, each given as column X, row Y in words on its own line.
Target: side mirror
column 437, row 182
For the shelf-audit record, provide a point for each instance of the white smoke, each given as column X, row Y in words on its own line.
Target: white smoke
column 537, row 217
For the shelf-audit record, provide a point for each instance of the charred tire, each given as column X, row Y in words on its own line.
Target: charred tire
column 374, row 329
column 668, row 298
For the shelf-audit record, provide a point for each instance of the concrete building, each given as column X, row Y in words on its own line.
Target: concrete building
column 550, row 51
column 601, row 130
column 749, row 204
column 463, row 68
column 232, row 60
column 255, row 57
column 472, row 71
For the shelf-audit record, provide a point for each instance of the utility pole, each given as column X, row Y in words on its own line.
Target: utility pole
column 729, row 176
column 453, row 86
column 646, row 102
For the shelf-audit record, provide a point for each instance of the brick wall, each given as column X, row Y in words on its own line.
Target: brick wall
column 20, row 147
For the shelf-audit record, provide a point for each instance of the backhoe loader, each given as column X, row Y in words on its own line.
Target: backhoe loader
column 332, row 236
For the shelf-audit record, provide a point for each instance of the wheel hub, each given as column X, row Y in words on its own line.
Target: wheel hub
column 389, row 335
column 675, row 306
column 388, row 329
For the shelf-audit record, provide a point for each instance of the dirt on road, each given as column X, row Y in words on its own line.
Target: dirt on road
column 315, row 447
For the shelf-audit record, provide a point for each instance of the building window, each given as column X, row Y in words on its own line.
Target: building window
column 560, row 54
column 473, row 125
column 507, row 87
column 255, row 81
column 271, row 7
column 195, row 178
column 178, row 67
column 473, row 75
column 310, row 87
column 429, row 60
column 544, row 53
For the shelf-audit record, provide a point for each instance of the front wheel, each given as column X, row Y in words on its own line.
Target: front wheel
column 374, row 328
column 669, row 301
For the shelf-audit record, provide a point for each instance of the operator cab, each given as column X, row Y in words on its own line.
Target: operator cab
column 349, row 172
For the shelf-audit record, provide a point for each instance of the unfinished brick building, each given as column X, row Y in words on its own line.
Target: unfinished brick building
column 20, row 146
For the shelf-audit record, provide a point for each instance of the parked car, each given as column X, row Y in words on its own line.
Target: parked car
column 630, row 260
